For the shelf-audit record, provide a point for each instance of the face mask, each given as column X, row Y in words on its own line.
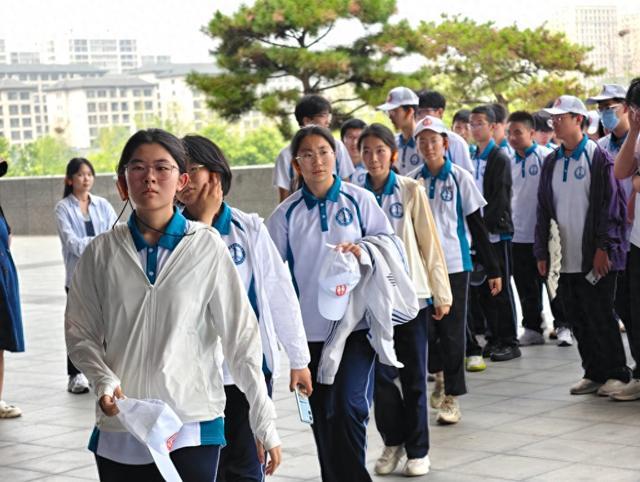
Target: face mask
column 609, row 119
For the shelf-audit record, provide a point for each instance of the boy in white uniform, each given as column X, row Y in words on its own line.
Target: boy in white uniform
column 350, row 133
column 499, row 132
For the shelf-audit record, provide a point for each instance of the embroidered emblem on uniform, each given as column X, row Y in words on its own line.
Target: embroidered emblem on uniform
column 580, row 172
column 341, row 290
column 533, row 170
column 446, row 194
column 414, row 159
column 396, row 210
column 238, row 253
column 362, row 177
column 344, row 217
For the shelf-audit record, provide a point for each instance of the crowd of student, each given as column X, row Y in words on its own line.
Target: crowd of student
column 436, row 221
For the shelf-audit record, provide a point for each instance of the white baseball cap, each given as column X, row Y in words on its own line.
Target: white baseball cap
column 566, row 104
column 609, row 91
column 339, row 275
column 155, row 424
column 594, row 121
column 398, row 97
column 430, row 123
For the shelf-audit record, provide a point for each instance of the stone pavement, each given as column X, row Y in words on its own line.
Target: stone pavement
column 519, row 421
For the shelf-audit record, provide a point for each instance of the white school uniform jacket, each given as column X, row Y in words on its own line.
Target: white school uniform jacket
column 268, row 282
column 159, row 340
column 384, row 296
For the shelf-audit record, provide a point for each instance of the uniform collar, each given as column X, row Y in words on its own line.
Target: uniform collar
column 504, row 143
column 484, row 155
column 389, row 184
column 527, row 152
column 617, row 141
column 577, row 152
column 223, row 223
column 444, row 170
column 332, row 194
column 402, row 144
column 173, row 233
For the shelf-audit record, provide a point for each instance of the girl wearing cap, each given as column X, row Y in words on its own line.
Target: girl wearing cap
column 455, row 203
column 80, row 217
column 401, row 415
column 11, row 335
column 175, row 298
column 271, row 293
column 327, row 211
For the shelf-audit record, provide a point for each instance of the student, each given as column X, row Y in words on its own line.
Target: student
column 626, row 164
column 80, row 217
column 461, row 127
column 433, row 103
column 349, row 134
column 493, row 178
column 543, row 128
column 526, row 165
column 579, row 191
column 401, row 107
column 175, row 298
column 499, row 131
column 270, row 290
column 401, row 414
column 455, row 203
column 326, row 210
column 11, row 333
column 311, row 109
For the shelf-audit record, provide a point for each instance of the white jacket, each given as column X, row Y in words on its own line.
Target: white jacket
column 385, row 295
column 158, row 341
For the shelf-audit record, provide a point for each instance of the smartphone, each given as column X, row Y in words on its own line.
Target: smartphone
column 304, row 407
column 592, row 277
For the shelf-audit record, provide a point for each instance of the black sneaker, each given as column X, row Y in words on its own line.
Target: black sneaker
column 488, row 349
column 505, row 353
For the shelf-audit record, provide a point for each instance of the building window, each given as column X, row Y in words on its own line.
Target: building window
column 14, row 122
column 148, row 105
column 24, row 96
column 92, row 119
column 93, row 132
column 25, row 109
column 26, row 122
column 91, row 107
column 137, row 105
column 123, row 92
column 91, row 94
column 147, row 92
column 102, row 106
column 124, row 106
column 15, row 135
column 125, row 118
column 115, row 119
column 28, row 135
column 12, row 96
column 113, row 92
column 102, row 93
column 114, row 106
column 13, row 110
column 104, row 119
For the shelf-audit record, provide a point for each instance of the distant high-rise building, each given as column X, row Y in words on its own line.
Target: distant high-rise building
column 25, row 57
column 154, row 59
column 3, row 52
column 629, row 35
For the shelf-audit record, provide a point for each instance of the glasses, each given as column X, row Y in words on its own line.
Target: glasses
column 324, row 115
column 612, row 107
column 193, row 170
column 309, row 156
column 161, row 171
column 478, row 125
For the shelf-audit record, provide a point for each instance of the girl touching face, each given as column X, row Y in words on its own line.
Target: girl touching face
column 203, row 186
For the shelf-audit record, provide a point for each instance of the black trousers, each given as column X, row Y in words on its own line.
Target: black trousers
column 530, row 285
column 624, row 296
column 447, row 338
column 72, row 371
column 633, row 323
column 595, row 327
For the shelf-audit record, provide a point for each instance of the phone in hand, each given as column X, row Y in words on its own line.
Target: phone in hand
column 592, row 277
column 304, row 407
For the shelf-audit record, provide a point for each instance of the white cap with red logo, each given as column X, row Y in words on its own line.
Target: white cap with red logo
column 567, row 104
column 398, row 97
column 339, row 275
column 430, row 123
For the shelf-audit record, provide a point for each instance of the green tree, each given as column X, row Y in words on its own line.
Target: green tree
column 108, row 147
column 47, row 155
column 4, row 148
column 260, row 146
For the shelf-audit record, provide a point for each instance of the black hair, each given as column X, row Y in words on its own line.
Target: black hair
column 351, row 124
column 430, row 99
column 153, row 136
column 523, row 117
column 462, row 116
column 380, row 131
column 488, row 112
column 542, row 121
column 633, row 93
column 311, row 130
column 311, row 105
column 500, row 112
column 201, row 150
column 73, row 166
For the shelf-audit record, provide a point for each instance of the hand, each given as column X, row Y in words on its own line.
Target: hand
column 349, row 248
column 108, row 403
column 634, row 119
column 275, row 457
column 301, row 378
column 542, row 268
column 441, row 311
column 601, row 263
column 495, row 285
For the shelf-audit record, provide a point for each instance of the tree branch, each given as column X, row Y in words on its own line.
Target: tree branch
column 329, row 29
column 274, row 44
column 356, row 109
column 328, row 87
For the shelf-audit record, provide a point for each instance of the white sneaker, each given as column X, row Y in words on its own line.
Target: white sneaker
column 389, row 459
column 630, row 392
column 610, row 387
column 585, row 386
column 564, row 337
column 78, row 384
column 531, row 337
column 475, row 363
column 415, row 467
column 9, row 411
column 449, row 411
column 437, row 395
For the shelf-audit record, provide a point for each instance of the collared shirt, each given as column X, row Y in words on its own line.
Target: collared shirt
column 506, row 147
column 283, row 173
column 453, row 195
column 301, row 227
column 612, row 145
column 408, row 156
column 525, row 173
column 123, row 447
column 571, row 186
column 359, row 176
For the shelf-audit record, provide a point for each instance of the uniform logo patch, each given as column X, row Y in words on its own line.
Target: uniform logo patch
column 446, row 194
column 580, row 172
column 362, row 177
column 414, row 160
column 396, row 210
column 238, row 254
column 341, row 290
column 344, row 217
column 533, row 170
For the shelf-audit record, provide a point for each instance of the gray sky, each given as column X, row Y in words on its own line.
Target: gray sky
column 173, row 26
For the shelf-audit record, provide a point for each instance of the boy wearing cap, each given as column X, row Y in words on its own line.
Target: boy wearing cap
column 493, row 178
column 349, row 134
column 543, row 128
column 433, row 103
column 499, row 131
column 579, row 191
column 311, row 109
column 401, row 106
